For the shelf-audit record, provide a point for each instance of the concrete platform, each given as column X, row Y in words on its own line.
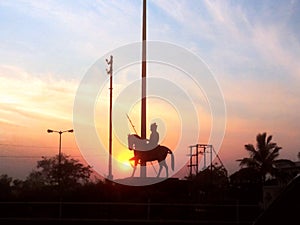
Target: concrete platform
column 138, row 181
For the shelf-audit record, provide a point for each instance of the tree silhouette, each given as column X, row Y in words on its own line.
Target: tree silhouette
column 5, row 186
column 70, row 172
column 262, row 157
column 209, row 184
column 245, row 185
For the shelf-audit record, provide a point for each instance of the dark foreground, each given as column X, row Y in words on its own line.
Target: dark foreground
column 154, row 209
column 125, row 213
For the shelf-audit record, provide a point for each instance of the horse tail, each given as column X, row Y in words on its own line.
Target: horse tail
column 172, row 159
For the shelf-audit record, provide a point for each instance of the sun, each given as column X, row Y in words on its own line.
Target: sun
column 123, row 158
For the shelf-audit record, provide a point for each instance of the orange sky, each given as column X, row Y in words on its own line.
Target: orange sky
column 47, row 48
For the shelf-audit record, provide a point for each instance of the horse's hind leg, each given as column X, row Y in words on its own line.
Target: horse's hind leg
column 161, row 164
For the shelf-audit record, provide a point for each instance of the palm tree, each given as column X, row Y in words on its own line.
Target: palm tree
column 262, row 157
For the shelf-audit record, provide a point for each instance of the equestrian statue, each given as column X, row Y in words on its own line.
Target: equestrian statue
column 148, row 150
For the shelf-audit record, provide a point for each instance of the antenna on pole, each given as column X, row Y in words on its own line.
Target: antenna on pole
column 144, row 86
column 110, row 73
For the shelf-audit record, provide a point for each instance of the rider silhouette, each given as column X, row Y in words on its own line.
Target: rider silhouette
column 154, row 137
column 147, row 144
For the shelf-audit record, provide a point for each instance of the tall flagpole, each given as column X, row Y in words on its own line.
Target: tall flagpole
column 144, row 70
column 110, row 73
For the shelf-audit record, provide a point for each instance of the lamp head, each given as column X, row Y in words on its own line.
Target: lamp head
column 50, row 131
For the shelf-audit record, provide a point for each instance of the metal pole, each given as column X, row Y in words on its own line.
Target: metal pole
column 144, row 70
column 204, row 157
column 191, row 161
column 59, row 168
column 197, row 159
column 211, row 158
column 59, row 175
column 110, row 73
column 59, row 155
column 144, row 86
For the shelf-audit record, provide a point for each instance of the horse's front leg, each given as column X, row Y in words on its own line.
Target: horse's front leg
column 133, row 172
column 134, row 167
column 160, row 169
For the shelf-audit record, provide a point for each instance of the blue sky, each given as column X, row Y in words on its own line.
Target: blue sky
column 252, row 47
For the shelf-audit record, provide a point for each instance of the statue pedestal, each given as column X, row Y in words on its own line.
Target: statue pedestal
column 140, row 181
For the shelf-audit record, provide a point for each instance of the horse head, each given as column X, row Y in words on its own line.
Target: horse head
column 132, row 141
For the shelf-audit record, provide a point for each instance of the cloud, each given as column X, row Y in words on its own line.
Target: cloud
column 252, row 48
column 66, row 37
column 258, row 37
column 279, row 47
column 182, row 19
column 24, row 96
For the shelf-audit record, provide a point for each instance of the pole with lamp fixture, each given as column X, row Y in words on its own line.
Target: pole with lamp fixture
column 59, row 164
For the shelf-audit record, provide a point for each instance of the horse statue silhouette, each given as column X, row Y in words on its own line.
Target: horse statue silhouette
column 143, row 155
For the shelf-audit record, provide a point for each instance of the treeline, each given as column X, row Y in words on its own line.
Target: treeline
column 64, row 178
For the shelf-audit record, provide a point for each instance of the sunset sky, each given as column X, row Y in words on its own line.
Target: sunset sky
column 46, row 48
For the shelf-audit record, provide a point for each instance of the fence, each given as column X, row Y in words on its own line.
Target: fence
column 124, row 213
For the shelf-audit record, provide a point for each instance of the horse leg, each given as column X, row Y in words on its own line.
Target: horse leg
column 160, row 169
column 163, row 163
column 134, row 168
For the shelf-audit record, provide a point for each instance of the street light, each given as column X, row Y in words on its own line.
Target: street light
column 59, row 149
column 59, row 164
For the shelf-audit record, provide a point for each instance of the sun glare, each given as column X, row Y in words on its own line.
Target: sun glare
column 123, row 158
